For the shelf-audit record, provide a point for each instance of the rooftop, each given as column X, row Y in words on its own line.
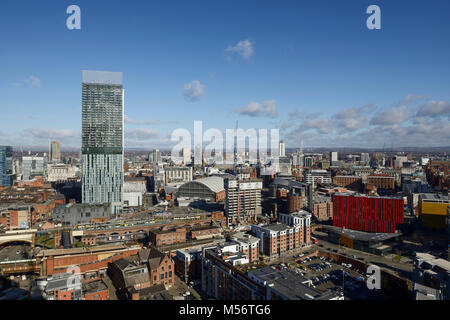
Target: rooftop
column 287, row 283
column 361, row 235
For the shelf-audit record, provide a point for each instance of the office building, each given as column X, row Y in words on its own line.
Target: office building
column 316, row 177
column 55, row 151
column 333, row 156
column 33, row 166
column 350, row 182
column 366, row 213
column 177, row 175
column 154, row 157
column 60, row 172
column 6, row 166
column 187, row 156
column 365, row 158
column 433, row 209
column 282, row 149
column 102, row 138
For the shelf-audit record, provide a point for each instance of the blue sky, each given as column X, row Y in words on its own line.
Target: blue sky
column 310, row 68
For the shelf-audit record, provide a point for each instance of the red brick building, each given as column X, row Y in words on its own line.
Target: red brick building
column 166, row 236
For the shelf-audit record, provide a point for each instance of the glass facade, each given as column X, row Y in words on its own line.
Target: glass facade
column 33, row 166
column 102, row 137
column 6, row 169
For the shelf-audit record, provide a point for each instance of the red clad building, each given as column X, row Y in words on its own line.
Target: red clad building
column 365, row 213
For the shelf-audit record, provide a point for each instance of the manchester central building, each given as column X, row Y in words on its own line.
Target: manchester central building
column 102, row 138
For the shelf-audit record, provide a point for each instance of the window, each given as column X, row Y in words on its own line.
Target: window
column 170, row 274
column 162, row 276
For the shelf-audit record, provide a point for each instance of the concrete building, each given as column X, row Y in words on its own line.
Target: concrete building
column 333, row 157
column 133, row 192
column 187, row 156
column 315, row 177
column 177, row 174
column 154, row 157
column 60, row 172
column 55, row 151
column 243, row 200
column 363, row 172
column 73, row 214
column 282, row 149
column 102, row 138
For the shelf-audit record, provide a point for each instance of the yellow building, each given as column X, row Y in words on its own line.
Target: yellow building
column 433, row 209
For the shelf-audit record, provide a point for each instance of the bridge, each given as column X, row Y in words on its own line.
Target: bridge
column 17, row 236
column 19, row 267
column 128, row 231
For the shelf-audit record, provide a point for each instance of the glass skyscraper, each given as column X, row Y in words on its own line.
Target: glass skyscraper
column 102, row 138
column 6, row 170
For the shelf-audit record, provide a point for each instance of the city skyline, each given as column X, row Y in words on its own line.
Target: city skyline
column 323, row 82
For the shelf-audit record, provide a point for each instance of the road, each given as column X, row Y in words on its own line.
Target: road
column 402, row 269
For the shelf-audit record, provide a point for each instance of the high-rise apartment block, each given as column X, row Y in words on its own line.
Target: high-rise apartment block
column 102, row 138
column 243, row 200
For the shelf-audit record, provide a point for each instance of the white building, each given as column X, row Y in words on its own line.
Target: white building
column 333, row 156
column 61, row 172
column 282, row 149
column 133, row 193
column 186, row 155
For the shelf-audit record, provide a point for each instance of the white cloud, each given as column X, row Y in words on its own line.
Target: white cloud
column 142, row 122
column 47, row 133
column 392, row 116
column 256, row 109
column 31, row 81
column 194, row 90
column 434, row 109
column 244, row 48
column 352, row 119
column 141, row 134
column 410, row 98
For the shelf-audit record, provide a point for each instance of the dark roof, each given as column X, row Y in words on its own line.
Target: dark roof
column 152, row 256
column 149, row 291
column 123, row 263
